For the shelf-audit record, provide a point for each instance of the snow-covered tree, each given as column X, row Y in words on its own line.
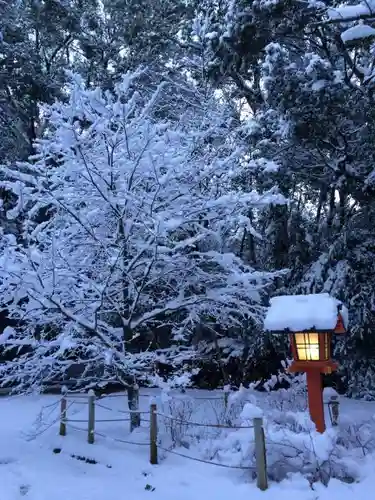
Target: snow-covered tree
column 130, row 227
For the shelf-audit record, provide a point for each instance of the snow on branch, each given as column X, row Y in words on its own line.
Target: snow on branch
column 357, row 32
column 349, row 13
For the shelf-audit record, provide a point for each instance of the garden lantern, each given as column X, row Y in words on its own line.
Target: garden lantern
column 310, row 321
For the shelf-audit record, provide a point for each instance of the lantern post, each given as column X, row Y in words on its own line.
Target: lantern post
column 315, row 399
column 311, row 321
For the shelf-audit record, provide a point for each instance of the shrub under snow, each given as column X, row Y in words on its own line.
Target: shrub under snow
column 293, row 445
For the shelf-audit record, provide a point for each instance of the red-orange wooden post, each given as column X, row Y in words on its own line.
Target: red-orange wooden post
column 315, row 398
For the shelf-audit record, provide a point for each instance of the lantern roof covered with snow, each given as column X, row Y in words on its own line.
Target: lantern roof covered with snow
column 305, row 313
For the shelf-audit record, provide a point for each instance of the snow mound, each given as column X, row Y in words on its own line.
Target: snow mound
column 304, row 312
column 330, row 393
column 251, row 411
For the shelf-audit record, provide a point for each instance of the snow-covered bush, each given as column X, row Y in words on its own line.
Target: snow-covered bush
column 129, row 228
column 357, row 435
column 185, row 411
column 295, row 446
column 292, row 397
column 292, row 443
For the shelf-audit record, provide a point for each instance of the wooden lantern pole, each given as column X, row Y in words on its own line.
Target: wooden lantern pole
column 315, row 398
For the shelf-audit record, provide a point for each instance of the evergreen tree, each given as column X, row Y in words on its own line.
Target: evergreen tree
column 306, row 73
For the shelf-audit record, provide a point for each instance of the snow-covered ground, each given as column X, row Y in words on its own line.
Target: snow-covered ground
column 37, row 464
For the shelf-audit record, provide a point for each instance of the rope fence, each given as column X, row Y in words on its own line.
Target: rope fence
column 108, row 408
column 93, row 401
column 151, row 418
column 118, row 440
column 134, row 416
column 138, row 412
column 74, row 427
column 201, row 460
column 154, row 445
column 52, row 405
column 200, row 424
column 100, row 420
column 122, row 395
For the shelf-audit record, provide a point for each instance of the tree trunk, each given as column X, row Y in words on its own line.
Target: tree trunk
column 133, row 404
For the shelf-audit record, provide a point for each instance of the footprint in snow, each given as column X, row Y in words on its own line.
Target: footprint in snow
column 24, row 489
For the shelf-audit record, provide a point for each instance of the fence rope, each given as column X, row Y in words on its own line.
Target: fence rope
column 124, row 395
column 99, row 405
column 82, row 395
column 39, row 433
column 127, row 412
column 52, row 408
column 285, row 445
column 52, row 405
column 175, row 396
column 203, row 399
column 77, row 402
column 100, row 420
column 75, row 395
column 205, row 461
column 112, row 420
column 83, row 421
column 186, row 397
column 105, row 436
column 199, row 424
column 77, row 428
column 121, row 395
column 46, row 425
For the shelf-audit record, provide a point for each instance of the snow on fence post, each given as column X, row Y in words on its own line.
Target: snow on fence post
column 63, row 412
column 91, row 421
column 260, row 454
column 153, row 435
column 133, row 403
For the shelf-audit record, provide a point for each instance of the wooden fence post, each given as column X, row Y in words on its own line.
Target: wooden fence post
column 260, row 454
column 153, row 435
column 133, row 403
column 91, row 421
column 63, row 413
